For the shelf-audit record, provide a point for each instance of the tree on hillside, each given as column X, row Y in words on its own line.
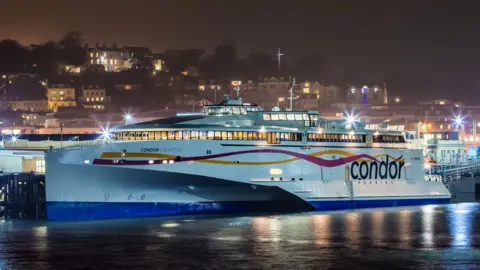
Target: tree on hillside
column 45, row 58
column 224, row 60
column 13, row 57
column 72, row 51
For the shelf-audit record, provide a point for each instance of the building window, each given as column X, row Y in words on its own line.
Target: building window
column 40, row 166
column 88, row 99
column 111, row 61
column 116, row 61
column 353, row 90
column 97, row 54
column 98, row 61
column 306, row 90
column 91, row 61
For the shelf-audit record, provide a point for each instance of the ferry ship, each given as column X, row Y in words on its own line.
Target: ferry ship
column 236, row 157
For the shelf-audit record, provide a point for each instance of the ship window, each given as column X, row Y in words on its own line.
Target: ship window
column 307, row 123
column 229, row 135
column 210, row 135
column 234, row 135
column 266, row 116
column 236, row 110
column 305, row 117
column 240, row 135
column 194, row 135
column 138, row 136
column 229, row 110
column 282, row 116
column 157, row 135
column 243, row 111
column 245, row 135
column 164, row 135
column 178, row 135
column 272, row 138
column 203, row 135
column 151, row 135
column 262, row 136
column 218, row 135
column 255, row 136
column 290, row 117
column 224, row 135
column 250, row 136
column 298, row 117
column 186, row 135
column 274, row 117
column 171, row 135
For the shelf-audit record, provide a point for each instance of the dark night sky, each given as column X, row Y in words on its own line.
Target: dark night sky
column 418, row 47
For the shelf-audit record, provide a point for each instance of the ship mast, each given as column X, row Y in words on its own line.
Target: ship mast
column 291, row 94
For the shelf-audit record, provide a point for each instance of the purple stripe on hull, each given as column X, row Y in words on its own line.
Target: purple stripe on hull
column 315, row 160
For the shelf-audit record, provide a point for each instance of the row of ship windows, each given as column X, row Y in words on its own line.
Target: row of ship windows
column 288, row 117
column 388, row 139
column 272, row 137
column 336, row 138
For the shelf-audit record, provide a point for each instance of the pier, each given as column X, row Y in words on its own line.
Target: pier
column 22, row 195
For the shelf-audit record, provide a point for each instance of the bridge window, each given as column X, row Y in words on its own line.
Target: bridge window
column 314, row 137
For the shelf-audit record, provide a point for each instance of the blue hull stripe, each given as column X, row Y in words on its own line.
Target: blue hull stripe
column 102, row 210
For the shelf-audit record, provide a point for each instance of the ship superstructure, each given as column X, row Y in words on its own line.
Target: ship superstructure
column 234, row 156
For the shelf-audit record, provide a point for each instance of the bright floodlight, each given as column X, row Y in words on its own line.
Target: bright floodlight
column 351, row 118
column 106, row 135
column 458, row 121
column 13, row 139
column 127, row 117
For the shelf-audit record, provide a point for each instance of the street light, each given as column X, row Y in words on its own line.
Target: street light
column 280, row 99
column 397, row 100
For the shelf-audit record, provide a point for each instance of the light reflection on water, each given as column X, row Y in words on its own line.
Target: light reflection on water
column 414, row 237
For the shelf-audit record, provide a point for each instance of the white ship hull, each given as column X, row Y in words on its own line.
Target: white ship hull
column 186, row 176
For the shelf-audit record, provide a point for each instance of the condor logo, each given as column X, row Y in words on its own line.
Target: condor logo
column 377, row 170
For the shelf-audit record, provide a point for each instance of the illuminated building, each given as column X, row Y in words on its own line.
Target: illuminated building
column 61, row 95
column 367, row 95
column 94, row 97
column 113, row 59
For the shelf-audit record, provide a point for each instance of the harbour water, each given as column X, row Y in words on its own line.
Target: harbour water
column 440, row 236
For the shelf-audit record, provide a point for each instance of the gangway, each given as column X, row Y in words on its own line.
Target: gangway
column 452, row 172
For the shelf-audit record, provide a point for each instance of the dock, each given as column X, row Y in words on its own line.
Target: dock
column 22, row 195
